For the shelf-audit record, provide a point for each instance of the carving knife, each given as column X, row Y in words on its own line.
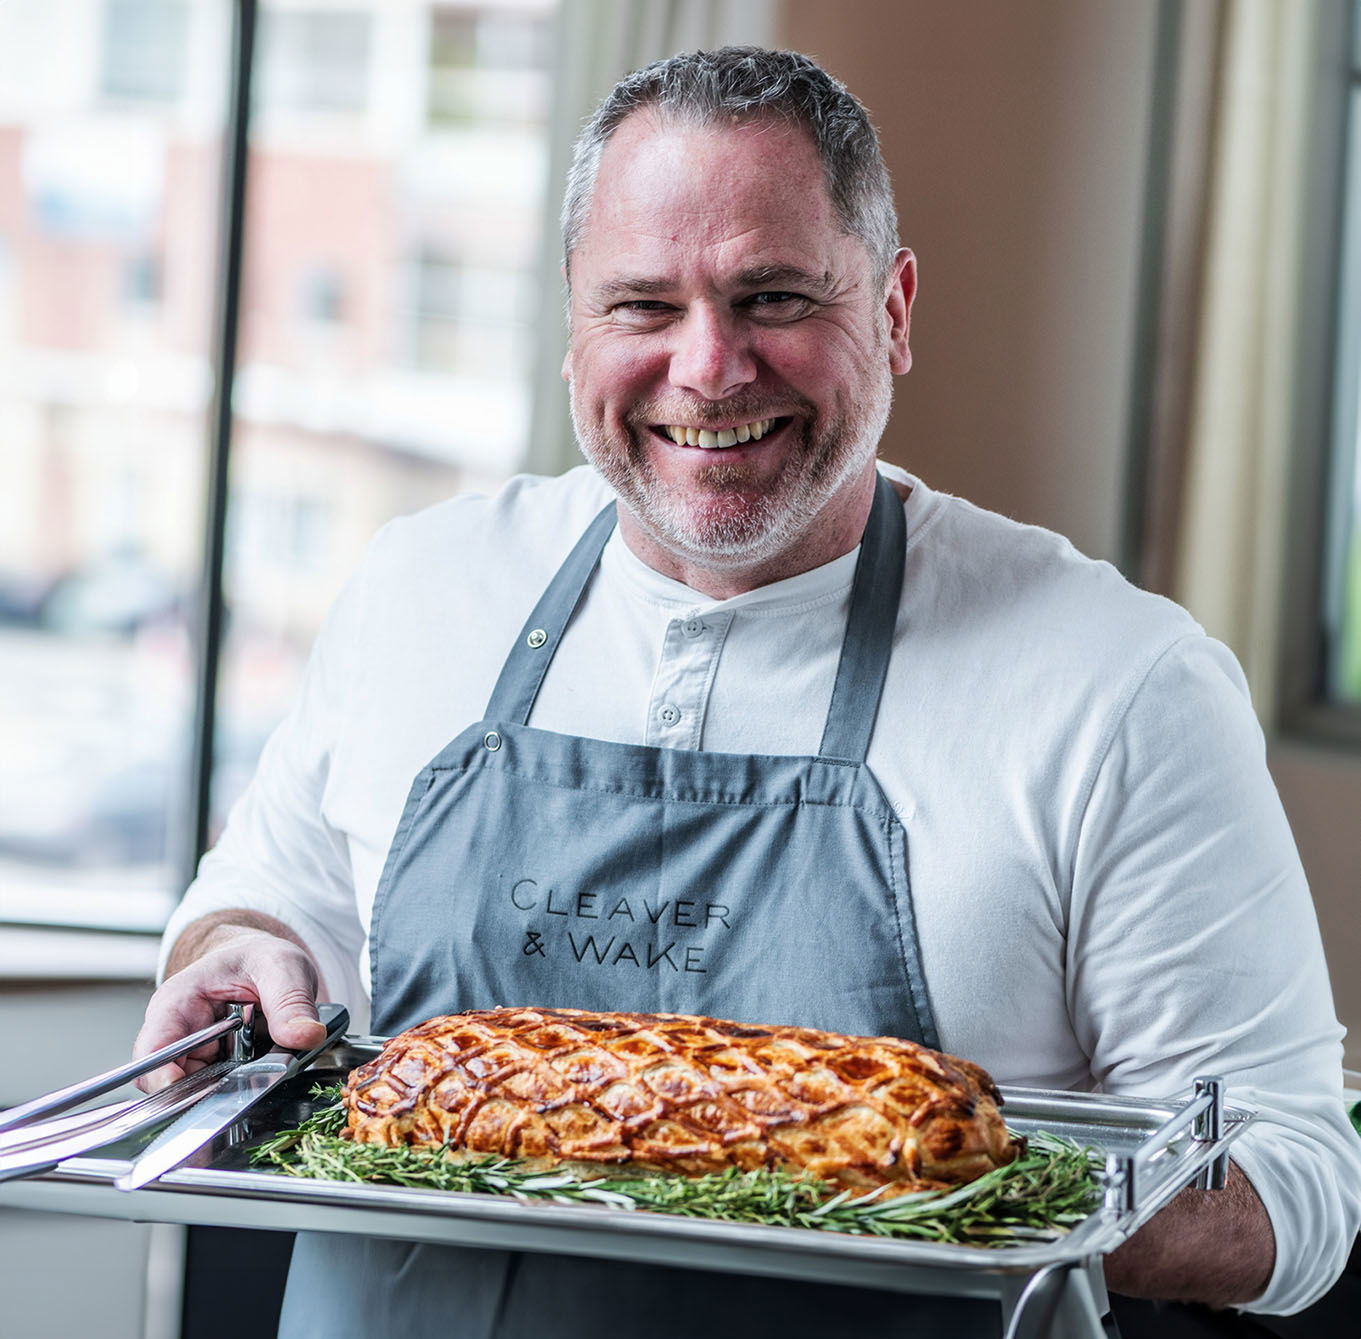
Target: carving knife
column 234, row 1095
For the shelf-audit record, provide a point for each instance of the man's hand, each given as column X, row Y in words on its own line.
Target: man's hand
column 1210, row 1246
column 231, row 956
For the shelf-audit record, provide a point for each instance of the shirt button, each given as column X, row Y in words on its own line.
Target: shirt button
column 667, row 714
column 692, row 627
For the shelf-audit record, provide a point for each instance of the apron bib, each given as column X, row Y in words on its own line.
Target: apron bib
column 531, row 867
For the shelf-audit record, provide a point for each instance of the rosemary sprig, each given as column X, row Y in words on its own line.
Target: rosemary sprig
column 1039, row 1197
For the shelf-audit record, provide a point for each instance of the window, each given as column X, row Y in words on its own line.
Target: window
column 323, row 295
column 365, row 223
column 142, row 280
column 103, row 419
column 384, row 358
column 144, row 49
column 488, row 64
column 314, row 60
column 468, row 316
column 1341, row 671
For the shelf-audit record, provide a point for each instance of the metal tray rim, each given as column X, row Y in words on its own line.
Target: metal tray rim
column 437, row 1214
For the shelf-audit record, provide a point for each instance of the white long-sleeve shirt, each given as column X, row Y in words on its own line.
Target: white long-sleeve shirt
column 1106, row 891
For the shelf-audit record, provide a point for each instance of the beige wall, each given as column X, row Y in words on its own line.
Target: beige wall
column 1017, row 138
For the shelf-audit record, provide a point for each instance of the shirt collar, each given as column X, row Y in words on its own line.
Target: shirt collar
column 620, row 563
column 818, row 585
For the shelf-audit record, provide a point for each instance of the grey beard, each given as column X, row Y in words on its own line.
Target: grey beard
column 756, row 531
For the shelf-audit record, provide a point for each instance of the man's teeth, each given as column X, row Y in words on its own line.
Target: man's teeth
column 710, row 440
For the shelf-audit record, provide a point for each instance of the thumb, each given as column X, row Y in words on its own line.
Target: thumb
column 298, row 1032
column 288, row 1001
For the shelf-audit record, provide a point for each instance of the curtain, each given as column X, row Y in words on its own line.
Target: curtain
column 598, row 42
column 1220, row 459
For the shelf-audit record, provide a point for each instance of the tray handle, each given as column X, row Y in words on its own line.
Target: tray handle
column 1126, row 1173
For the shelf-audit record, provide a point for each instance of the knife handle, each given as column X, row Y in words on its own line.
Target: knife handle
column 335, row 1018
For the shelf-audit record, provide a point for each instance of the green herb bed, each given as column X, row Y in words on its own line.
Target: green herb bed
column 1039, row 1197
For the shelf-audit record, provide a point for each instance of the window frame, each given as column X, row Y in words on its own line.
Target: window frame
column 210, row 606
column 1322, row 385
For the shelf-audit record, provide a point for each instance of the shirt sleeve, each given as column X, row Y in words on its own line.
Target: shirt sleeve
column 1194, row 949
column 277, row 854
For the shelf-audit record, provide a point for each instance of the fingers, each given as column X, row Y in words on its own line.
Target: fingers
column 257, row 968
column 172, row 1014
column 157, row 1079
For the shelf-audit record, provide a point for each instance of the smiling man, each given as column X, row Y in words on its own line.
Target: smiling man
column 780, row 735
column 733, row 348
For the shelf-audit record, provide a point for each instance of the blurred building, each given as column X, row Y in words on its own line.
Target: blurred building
column 394, row 209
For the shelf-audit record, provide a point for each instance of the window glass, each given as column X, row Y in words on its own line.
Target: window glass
column 488, row 64
column 109, row 163
column 142, row 49
column 393, row 215
column 314, row 60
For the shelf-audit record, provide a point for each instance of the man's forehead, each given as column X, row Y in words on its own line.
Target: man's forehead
column 752, row 195
column 756, row 143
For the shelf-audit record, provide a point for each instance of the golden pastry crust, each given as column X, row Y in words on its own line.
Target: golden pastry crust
column 680, row 1093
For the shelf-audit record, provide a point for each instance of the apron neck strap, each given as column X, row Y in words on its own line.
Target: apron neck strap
column 518, row 685
column 865, row 650
column 868, row 643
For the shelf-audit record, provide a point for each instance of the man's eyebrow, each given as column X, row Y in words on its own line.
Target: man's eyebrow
column 611, row 290
column 783, row 276
column 755, row 276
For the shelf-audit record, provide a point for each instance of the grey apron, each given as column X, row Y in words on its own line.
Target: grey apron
column 538, row 868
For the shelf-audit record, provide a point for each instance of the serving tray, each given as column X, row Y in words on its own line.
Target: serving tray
column 1151, row 1149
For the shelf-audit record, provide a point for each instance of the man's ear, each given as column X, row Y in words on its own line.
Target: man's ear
column 902, row 289
column 567, row 357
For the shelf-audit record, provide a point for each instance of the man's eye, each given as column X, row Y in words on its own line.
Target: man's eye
column 777, row 303
column 640, row 311
column 641, row 307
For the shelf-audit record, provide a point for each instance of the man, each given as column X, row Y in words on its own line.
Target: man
column 927, row 772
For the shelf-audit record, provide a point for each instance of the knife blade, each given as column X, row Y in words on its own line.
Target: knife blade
column 232, row 1097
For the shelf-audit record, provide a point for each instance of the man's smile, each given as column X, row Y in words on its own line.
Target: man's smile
column 718, row 438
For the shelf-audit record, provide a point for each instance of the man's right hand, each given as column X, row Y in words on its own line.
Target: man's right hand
column 226, row 957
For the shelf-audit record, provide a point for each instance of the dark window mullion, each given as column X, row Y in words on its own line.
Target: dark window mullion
column 225, row 324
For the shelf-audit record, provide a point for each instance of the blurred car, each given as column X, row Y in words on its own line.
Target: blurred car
column 114, row 595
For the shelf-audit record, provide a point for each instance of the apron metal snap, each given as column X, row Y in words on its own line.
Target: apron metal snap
column 492, row 740
column 537, row 638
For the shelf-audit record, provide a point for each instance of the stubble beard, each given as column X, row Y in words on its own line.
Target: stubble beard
column 724, row 517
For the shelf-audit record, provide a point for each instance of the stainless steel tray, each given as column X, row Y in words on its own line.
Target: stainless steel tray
column 1152, row 1150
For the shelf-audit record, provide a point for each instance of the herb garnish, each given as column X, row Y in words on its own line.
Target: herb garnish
column 1037, row 1198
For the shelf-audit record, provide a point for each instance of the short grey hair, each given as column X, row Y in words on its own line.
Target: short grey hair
column 745, row 83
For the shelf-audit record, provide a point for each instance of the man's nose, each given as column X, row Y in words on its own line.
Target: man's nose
column 712, row 356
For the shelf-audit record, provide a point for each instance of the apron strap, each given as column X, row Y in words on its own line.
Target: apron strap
column 518, row 684
column 868, row 643
column 865, row 650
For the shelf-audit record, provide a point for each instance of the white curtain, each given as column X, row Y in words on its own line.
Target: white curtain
column 598, row 42
column 1229, row 552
